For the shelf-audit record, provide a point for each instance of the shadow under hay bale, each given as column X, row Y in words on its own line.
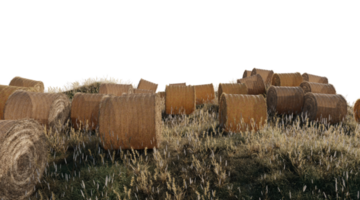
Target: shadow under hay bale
column 247, row 73
column 141, row 91
column 50, row 109
column 231, row 88
column 204, row 93
column 115, row 89
column 318, row 88
column 23, row 156
column 314, row 78
column 24, row 82
column 255, row 84
column 357, row 111
column 287, row 79
column 285, row 100
column 180, row 99
column 147, row 85
column 265, row 74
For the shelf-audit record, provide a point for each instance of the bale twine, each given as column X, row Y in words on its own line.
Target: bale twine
column 115, row 89
column 23, row 156
column 85, row 109
column 247, row 73
column 130, row 121
column 147, row 85
column 180, row 99
column 328, row 108
column 23, row 82
column 357, row 111
column 238, row 112
column 231, row 88
column 48, row 109
column 204, row 93
column 255, row 84
column 265, row 74
column 318, row 88
column 314, row 78
column 177, row 84
column 5, row 92
column 287, row 79
column 285, row 100
column 141, row 91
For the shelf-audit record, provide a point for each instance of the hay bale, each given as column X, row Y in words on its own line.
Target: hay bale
column 328, row 108
column 233, row 108
column 287, row 79
column 177, row 84
column 23, row 82
column 357, row 111
column 314, row 78
column 147, row 85
column 85, row 109
column 115, row 89
column 255, row 84
column 47, row 108
column 285, row 100
column 162, row 95
column 141, row 91
column 231, row 88
column 180, row 99
column 265, row 74
column 204, row 93
column 23, row 157
column 5, row 92
column 247, row 73
column 318, row 88
column 130, row 121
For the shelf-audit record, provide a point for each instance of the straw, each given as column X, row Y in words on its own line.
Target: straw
column 180, row 99
column 140, row 91
column 285, row 100
column 115, row 89
column 147, row 85
column 231, row 88
column 204, row 93
column 255, row 84
column 315, row 78
column 247, row 73
column 318, row 88
column 265, row 74
column 287, row 79
column 23, row 82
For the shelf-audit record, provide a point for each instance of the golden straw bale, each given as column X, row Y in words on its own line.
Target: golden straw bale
column 285, row 100
column 162, row 94
column 204, row 93
column 314, row 78
column 48, row 109
column 24, row 82
column 5, row 92
column 287, row 79
column 265, row 74
column 331, row 108
column 177, row 84
column 180, row 99
column 23, row 157
column 232, row 88
column 357, row 111
column 234, row 108
column 147, row 85
column 247, row 73
column 85, row 109
column 141, row 91
column 255, row 84
column 318, row 88
column 130, row 121
column 115, row 89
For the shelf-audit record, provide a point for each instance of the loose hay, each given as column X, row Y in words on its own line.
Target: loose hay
column 255, row 84
column 23, row 82
column 247, row 73
column 204, row 93
column 48, row 109
column 115, row 89
column 318, row 88
column 180, row 99
column 130, row 121
column 23, row 156
column 147, row 85
column 314, row 78
column 285, row 100
column 265, row 74
column 238, row 112
column 5, row 92
column 85, row 110
column 327, row 108
column 177, row 84
column 357, row 111
column 287, row 79
column 231, row 88
column 140, row 91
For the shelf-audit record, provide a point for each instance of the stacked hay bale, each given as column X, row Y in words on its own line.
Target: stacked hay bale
column 177, row 84
column 318, row 88
column 265, row 74
column 231, row 88
column 315, row 78
column 162, row 95
column 287, row 79
column 255, row 84
column 247, row 73
column 115, row 89
column 204, row 93
column 180, row 99
column 23, row 82
column 285, row 100
column 141, row 91
column 147, row 85
column 357, row 111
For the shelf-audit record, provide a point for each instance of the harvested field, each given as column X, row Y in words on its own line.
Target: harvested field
column 130, row 122
column 238, row 112
column 24, row 82
column 231, row 88
column 255, row 84
column 180, row 99
column 265, row 74
column 326, row 108
column 204, row 93
column 23, row 156
column 147, row 85
column 285, row 100
column 318, row 88
column 287, row 79
column 314, row 78
column 115, row 89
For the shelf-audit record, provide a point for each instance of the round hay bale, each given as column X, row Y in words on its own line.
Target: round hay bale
column 23, row 156
column 237, row 107
column 141, row 91
column 147, row 85
column 318, row 88
column 232, row 88
column 162, row 94
column 287, row 79
column 115, row 89
column 255, row 84
column 357, row 111
column 5, row 92
column 130, row 121
column 285, row 100
column 265, row 74
column 177, row 84
column 314, row 78
column 327, row 108
column 204, row 93
column 180, row 99
column 85, row 109
column 247, row 73
column 24, row 82
column 47, row 108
